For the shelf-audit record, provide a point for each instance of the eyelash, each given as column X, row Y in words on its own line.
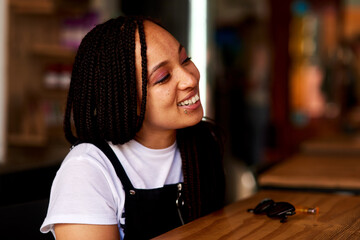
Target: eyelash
column 186, row 60
column 162, row 80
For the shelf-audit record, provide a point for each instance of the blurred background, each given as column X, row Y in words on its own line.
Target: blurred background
column 275, row 75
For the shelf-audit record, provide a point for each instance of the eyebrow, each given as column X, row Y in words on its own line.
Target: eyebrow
column 163, row 62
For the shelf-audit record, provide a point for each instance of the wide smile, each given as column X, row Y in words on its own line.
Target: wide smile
column 190, row 101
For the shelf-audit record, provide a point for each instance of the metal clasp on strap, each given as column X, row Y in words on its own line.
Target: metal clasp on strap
column 180, row 202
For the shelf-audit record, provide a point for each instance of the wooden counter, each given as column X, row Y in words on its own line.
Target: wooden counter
column 322, row 172
column 338, row 144
column 339, row 218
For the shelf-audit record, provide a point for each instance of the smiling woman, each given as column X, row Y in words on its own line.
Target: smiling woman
column 143, row 161
column 173, row 83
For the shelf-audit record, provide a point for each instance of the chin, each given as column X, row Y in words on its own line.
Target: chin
column 196, row 119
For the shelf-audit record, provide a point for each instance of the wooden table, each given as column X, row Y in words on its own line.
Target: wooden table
column 339, row 218
column 319, row 172
column 337, row 144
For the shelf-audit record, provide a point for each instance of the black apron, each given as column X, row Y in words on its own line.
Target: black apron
column 148, row 212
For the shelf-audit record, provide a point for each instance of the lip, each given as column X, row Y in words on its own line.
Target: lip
column 192, row 106
column 189, row 96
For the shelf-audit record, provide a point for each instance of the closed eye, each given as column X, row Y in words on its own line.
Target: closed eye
column 163, row 79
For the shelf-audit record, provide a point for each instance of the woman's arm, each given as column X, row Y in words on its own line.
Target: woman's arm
column 86, row 232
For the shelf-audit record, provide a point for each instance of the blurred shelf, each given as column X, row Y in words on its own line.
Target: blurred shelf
column 28, row 140
column 33, row 6
column 53, row 51
column 20, row 158
column 54, row 93
column 47, row 7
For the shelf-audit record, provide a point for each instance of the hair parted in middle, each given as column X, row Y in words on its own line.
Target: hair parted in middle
column 102, row 98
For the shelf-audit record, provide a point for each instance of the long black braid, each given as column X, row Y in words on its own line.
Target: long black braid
column 102, row 104
column 102, row 96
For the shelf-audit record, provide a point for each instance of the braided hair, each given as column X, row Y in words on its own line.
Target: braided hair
column 102, row 103
column 102, row 97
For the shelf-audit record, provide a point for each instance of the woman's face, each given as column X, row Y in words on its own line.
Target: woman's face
column 173, row 99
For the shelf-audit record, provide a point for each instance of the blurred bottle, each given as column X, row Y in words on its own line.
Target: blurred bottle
column 306, row 75
column 57, row 76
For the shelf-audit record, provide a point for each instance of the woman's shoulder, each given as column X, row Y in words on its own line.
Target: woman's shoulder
column 82, row 182
column 85, row 166
column 83, row 150
column 86, row 155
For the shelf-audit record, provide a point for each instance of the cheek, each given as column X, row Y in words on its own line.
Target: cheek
column 162, row 97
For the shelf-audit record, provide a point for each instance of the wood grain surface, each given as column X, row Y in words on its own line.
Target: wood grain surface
column 338, row 218
column 315, row 171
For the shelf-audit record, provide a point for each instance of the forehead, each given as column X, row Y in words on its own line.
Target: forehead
column 155, row 34
column 159, row 42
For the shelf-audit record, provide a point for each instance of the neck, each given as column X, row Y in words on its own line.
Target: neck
column 156, row 139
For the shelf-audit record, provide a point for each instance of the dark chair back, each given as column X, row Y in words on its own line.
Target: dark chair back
column 23, row 221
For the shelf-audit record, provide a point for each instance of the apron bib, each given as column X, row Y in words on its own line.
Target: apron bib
column 148, row 212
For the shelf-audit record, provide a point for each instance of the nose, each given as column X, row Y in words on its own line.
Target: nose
column 188, row 78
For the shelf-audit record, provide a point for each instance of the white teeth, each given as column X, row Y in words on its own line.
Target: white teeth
column 190, row 101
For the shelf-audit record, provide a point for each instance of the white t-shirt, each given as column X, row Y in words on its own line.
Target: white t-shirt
column 86, row 189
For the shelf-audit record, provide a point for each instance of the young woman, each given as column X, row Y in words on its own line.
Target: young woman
column 143, row 161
